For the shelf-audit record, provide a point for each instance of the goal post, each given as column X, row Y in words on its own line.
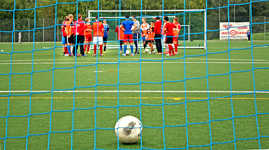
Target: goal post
column 192, row 36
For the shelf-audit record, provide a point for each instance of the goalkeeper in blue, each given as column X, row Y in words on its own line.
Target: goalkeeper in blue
column 128, row 35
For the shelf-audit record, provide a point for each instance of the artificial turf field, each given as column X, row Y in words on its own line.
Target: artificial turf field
column 199, row 100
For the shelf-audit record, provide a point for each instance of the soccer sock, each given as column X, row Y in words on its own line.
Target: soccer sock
column 176, row 45
column 125, row 49
column 170, row 49
column 101, row 49
column 88, row 47
column 95, row 47
column 68, row 49
column 132, row 49
column 65, row 50
column 105, row 48
column 120, row 47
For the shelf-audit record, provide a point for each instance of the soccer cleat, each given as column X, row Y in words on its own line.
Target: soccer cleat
column 123, row 54
column 132, row 54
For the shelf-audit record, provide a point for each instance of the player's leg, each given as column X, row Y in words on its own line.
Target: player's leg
column 89, row 44
column 95, row 45
column 135, row 40
column 175, row 41
column 158, row 42
column 81, row 42
column 86, row 42
column 76, row 43
column 169, row 42
column 144, row 42
column 121, row 43
column 131, row 42
column 151, row 46
column 100, row 41
column 105, row 42
column 125, row 44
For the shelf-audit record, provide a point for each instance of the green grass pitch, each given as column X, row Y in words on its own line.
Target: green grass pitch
column 49, row 70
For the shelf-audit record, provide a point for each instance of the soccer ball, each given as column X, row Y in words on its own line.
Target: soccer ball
column 128, row 129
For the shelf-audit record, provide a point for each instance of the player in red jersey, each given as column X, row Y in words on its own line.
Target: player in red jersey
column 87, row 35
column 158, row 36
column 64, row 38
column 169, row 32
column 98, row 33
column 120, row 34
column 80, row 27
column 176, row 33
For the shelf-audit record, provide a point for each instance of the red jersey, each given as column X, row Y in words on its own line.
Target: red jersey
column 158, row 27
column 64, row 28
column 120, row 33
column 80, row 27
column 177, row 29
column 169, row 29
column 88, row 29
column 98, row 29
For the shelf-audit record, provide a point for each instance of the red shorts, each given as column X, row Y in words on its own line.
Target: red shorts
column 128, row 38
column 88, row 38
column 175, row 38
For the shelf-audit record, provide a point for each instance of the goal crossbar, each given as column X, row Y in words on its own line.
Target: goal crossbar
column 174, row 10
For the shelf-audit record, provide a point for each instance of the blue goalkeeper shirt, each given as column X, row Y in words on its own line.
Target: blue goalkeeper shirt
column 127, row 24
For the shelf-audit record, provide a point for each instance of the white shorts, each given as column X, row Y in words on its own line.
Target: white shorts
column 98, row 40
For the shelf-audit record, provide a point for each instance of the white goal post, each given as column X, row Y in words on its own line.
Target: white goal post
column 117, row 12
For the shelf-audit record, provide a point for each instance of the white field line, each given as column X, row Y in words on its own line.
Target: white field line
column 129, row 91
column 110, row 58
column 94, row 62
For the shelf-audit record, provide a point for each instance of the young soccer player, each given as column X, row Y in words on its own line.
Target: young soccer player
column 80, row 27
column 88, row 36
column 158, row 36
column 136, row 33
column 71, row 30
column 176, row 33
column 150, row 39
column 106, row 30
column 120, row 34
column 168, row 31
column 144, row 29
column 64, row 38
column 98, row 33
column 128, row 36
column 69, row 33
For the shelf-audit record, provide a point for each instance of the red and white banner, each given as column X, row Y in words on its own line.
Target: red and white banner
column 234, row 30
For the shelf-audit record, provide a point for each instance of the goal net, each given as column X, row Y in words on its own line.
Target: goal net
column 215, row 97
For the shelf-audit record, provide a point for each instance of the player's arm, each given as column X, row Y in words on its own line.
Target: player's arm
column 122, row 28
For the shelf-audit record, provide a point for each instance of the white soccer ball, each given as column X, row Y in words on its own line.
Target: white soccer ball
column 128, row 129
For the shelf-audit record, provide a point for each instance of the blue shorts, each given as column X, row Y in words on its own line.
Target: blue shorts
column 64, row 40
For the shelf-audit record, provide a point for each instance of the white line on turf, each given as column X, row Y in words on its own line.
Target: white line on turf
column 111, row 58
column 102, row 62
column 130, row 91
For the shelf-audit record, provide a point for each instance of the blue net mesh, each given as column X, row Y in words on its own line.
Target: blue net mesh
column 211, row 98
